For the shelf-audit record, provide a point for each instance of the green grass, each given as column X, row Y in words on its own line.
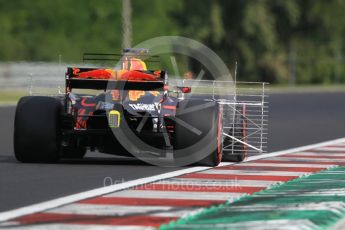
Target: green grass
column 8, row 96
column 305, row 88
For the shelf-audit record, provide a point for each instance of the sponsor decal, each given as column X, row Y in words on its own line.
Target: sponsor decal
column 134, row 95
column 114, row 119
column 143, row 107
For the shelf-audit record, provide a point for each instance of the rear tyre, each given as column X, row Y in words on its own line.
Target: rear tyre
column 239, row 149
column 198, row 133
column 37, row 133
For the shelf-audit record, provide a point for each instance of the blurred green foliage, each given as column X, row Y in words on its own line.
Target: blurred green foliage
column 273, row 40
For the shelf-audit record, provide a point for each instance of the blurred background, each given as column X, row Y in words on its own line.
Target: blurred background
column 297, row 46
column 278, row 41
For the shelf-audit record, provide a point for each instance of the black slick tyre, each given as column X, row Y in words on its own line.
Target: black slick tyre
column 37, row 133
column 198, row 133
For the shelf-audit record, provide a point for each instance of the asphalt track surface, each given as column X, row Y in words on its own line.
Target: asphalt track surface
column 294, row 120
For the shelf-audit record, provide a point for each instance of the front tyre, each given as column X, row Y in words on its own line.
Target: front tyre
column 37, row 132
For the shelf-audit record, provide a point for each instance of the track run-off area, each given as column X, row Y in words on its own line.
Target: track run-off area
column 160, row 200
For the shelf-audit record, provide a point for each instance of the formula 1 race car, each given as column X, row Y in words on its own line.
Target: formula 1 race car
column 137, row 113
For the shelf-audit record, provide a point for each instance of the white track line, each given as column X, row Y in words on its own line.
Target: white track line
column 253, row 172
column 76, row 227
column 311, row 153
column 298, row 149
column 176, row 195
column 117, row 187
column 210, row 182
column 334, row 206
column 290, row 224
column 338, row 145
column 122, row 210
column 332, row 149
column 289, row 164
column 291, row 159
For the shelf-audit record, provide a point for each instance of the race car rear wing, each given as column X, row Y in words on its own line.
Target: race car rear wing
column 74, row 82
column 113, row 84
column 107, row 57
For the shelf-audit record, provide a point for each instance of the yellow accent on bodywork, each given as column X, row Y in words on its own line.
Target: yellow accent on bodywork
column 114, row 119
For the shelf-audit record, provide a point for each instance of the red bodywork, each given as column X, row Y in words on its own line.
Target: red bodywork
column 109, row 74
